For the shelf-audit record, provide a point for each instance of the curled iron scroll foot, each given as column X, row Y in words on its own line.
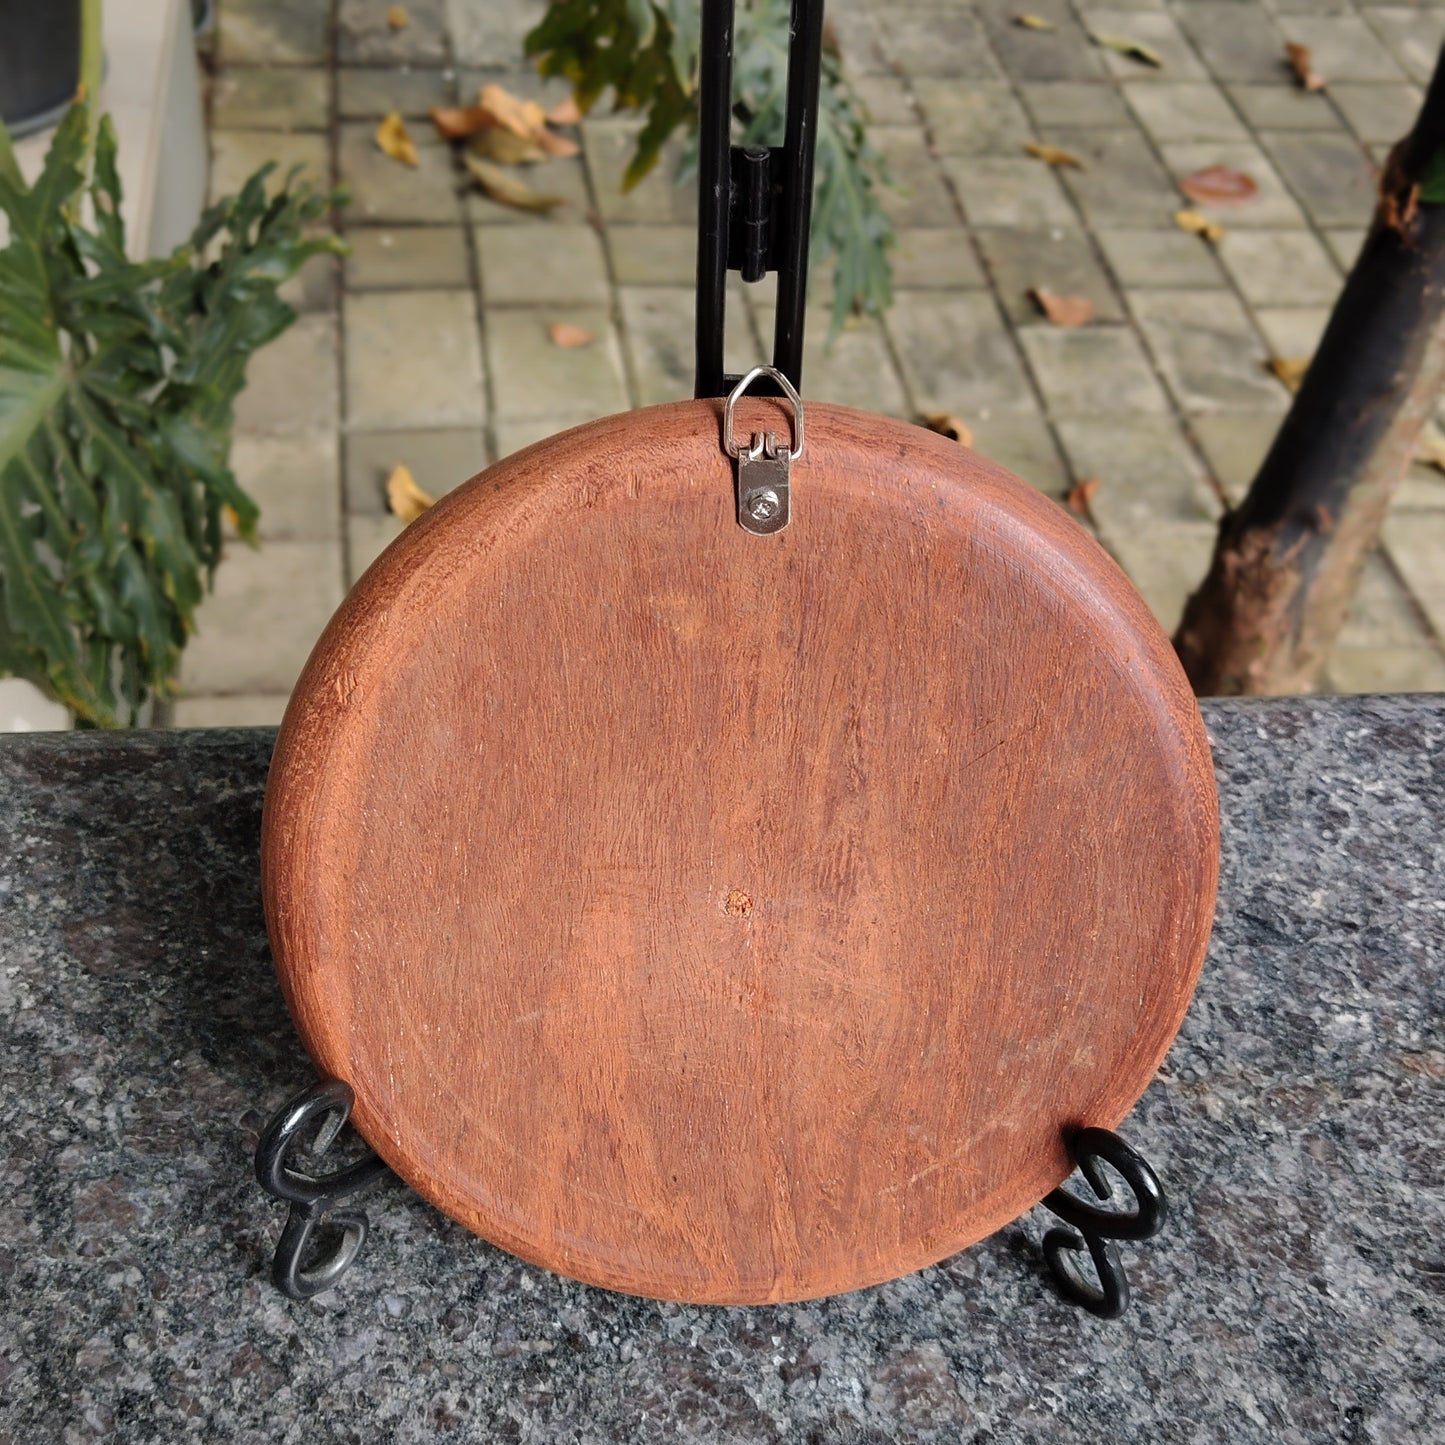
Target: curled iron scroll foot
column 314, row 1201
column 1091, row 1149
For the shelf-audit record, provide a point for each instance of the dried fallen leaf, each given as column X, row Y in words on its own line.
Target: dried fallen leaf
column 1198, row 225
column 1053, row 155
column 404, row 497
column 1305, row 73
column 568, row 336
column 458, row 122
column 391, row 136
column 950, row 427
column 397, row 17
column 566, row 112
column 1062, row 310
column 1130, row 48
column 1430, row 447
column 505, row 147
column 1219, row 186
column 1290, row 369
column 502, row 186
column 1034, row 22
column 1079, row 497
column 524, row 118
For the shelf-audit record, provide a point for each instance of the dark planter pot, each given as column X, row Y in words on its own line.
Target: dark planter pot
column 39, row 61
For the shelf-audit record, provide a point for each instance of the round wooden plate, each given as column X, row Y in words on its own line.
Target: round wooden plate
column 733, row 919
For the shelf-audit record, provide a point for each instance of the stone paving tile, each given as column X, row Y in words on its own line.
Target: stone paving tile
column 242, row 710
column 935, row 260
column 1414, row 36
column 1273, row 206
column 540, row 264
column 566, row 177
column 1021, row 442
column 272, row 32
column 293, row 480
column 367, row 536
column 491, row 33
column 1207, row 350
column 1166, row 563
column 1292, row 330
column 1159, row 32
column 1061, row 260
column 1193, row 110
column 1345, row 246
column 1285, row 107
column 653, row 255
column 995, row 191
column 395, row 258
column 514, row 433
column 983, row 118
column 413, row 360
column 659, row 341
column 314, row 287
column 279, row 98
column 1415, row 542
column 438, row 458
column 256, row 630
column 1381, row 669
column 364, row 36
column 1421, row 489
column 1147, row 473
column 371, row 93
column 1088, row 370
column 885, row 97
column 1236, row 42
column 1055, row 104
column 1123, row 183
column 1063, row 53
column 1382, row 614
column 383, row 189
column 531, row 377
column 856, row 370
column 1234, row 444
column 859, row 40
column 956, row 355
column 949, row 43
column 1151, row 259
column 1342, row 47
column 236, row 155
column 1381, row 113
column 1329, row 174
column 1280, row 268
column 918, row 195
column 609, row 145
column 291, row 385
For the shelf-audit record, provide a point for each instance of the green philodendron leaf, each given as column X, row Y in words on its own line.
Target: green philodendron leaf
column 117, row 380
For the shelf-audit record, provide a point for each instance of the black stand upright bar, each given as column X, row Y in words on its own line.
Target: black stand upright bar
column 755, row 205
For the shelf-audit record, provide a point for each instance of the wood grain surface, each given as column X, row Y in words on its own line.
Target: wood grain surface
column 734, row 919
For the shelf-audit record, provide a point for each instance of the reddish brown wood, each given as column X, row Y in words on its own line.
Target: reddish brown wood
column 727, row 918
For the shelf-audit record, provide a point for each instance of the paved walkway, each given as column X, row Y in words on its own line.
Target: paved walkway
column 428, row 345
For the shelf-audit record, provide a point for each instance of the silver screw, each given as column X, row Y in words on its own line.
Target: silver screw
column 763, row 506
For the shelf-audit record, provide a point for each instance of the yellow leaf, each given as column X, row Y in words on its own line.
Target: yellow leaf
column 404, row 497
column 1290, row 369
column 1430, row 447
column 505, row 147
column 1130, row 48
column 397, row 17
column 1198, row 225
column 1034, row 22
column 391, row 136
column 502, row 186
column 1053, row 155
column 949, row 426
column 568, row 336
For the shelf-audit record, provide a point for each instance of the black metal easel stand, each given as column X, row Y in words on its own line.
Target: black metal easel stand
column 754, row 214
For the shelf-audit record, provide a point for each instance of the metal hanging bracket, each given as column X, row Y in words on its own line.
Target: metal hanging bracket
column 764, row 468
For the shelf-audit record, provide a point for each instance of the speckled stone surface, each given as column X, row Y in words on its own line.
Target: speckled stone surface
column 1298, row 1293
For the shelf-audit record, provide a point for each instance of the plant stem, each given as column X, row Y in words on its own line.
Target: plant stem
column 90, row 56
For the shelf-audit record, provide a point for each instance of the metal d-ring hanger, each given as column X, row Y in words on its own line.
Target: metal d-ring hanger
column 755, row 203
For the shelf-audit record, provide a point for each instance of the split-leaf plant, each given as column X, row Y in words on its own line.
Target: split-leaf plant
column 646, row 53
column 117, row 379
